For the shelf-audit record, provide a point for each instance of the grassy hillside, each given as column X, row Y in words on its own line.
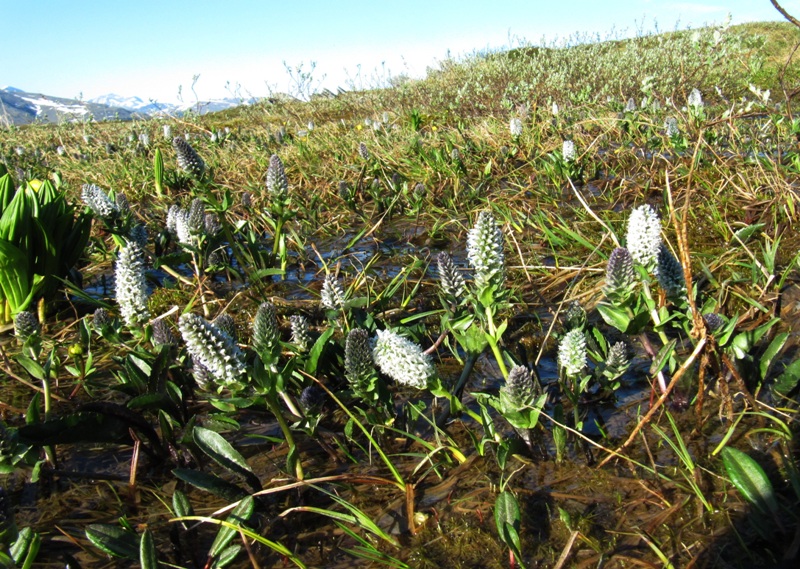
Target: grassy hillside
column 594, row 243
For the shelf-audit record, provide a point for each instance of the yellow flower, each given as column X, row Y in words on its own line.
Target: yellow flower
column 35, row 185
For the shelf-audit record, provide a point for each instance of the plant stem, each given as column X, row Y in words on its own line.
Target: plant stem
column 272, row 403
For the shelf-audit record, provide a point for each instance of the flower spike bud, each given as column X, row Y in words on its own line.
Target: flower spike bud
column 620, row 277
column 515, row 127
column 300, row 333
column 99, row 202
column 277, row 182
column 670, row 273
column 332, row 293
column 520, row 387
column 358, row 364
column 265, row 327
column 188, row 160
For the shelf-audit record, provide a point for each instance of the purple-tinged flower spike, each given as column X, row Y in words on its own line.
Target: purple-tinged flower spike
column 358, row 364
column 266, row 332
column 670, row 273
column 401, row 359
column 520, row 387
column 363, row 151
column 131, row 286
column 643, row 239
column 188, row 160
column 26, row 325
column 213, row 349
column 620, row 277
column 277, row 182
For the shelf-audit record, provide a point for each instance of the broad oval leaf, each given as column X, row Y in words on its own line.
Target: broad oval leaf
column 507, row 517
column 223, row 453
column 148, row 559
column 114, row 540
column 210, row 483
column 750, row 479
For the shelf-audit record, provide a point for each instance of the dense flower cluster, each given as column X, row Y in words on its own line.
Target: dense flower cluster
column 265, row 327
column 450, row 279
column 188, row 160
column 620, row 278
column 485, row 251
column 26, row 325
column 572, row 352
column 520, row 387
column 644, row 236
column 568, row 151
column 131, row 286
column 670, row 273
column 401, row 359
column 99, row 202
column 277, row 182
column 332, row 293
column 301, row 336
column 515, row 127
column 358, row 364
column 213, row 349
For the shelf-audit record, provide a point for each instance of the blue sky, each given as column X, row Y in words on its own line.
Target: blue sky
column 151, row 48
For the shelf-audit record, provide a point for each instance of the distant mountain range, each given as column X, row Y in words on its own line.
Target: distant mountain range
column 18, row 107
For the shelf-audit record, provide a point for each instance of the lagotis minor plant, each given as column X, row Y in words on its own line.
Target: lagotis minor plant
column 670, row 273
column 188, row 160
column 630, row 107
column 332, row 293
column 620, row 277
column 572, row 353
column 520, row 387
column 515, row 127
column 301, row 337
column 695, row 99
column 358, row 364
column 265, row 328
column 131, row 287
column 568, row 151
column 277, row 182
column 162, row 335
column 401, row 359
column 99, row 202
column 363, row 151
column 485, row 252
column 213, row 349
column 450, row 279
column 644, row 236
column 671, row 127
column 26, row 325
column 227, row 324
column 575, row 316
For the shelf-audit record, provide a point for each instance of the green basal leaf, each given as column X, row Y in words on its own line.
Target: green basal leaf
column 507, row 519
column 238, row 516
column 148, row 556
column 223, row 453
column 211, row 483
column 769, row 354
column 786, row 382
column 113, row 540
column 750, row 479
